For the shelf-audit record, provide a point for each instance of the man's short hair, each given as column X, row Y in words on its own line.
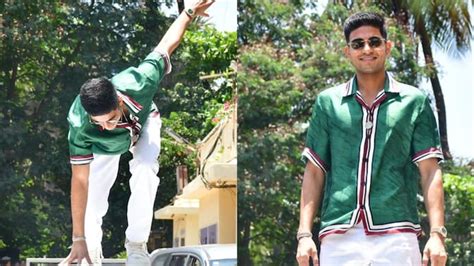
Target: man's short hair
column 364, row 19
column 98, row 96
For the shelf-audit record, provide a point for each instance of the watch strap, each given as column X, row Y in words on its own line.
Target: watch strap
column 440, row 230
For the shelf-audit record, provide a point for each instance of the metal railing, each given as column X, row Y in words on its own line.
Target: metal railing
column 55, row 261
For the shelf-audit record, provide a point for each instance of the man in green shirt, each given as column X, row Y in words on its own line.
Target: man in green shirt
column 107, row 119
column 370, row 141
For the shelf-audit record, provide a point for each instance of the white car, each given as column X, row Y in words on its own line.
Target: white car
column 204, row 255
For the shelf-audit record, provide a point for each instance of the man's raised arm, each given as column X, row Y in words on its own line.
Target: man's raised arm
column 175, row 33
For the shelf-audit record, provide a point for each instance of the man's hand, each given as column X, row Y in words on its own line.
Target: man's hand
column 77, row 254
column 200, row 6
column 307, row 249
column 434, row 251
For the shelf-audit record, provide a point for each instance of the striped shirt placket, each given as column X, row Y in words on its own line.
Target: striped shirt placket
column 366, row 154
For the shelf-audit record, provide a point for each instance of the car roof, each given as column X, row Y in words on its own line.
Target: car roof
column 213, row 251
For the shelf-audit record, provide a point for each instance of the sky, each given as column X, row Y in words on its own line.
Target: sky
column 222, row 14
column 456, row 77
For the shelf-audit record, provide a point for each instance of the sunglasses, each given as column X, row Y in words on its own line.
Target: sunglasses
column 374, row 42
column 112, row 122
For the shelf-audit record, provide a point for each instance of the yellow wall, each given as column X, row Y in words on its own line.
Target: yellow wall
column 227, row 228
column 218, row 206
column 209, row 208
column 192, row 225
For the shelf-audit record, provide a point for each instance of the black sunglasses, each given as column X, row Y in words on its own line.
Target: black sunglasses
column 359, row 43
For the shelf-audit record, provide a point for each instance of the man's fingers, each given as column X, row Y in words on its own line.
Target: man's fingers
column 88, row 259
column 303, row 260
column 426, row 256
column 314, row 256
column 438, row 259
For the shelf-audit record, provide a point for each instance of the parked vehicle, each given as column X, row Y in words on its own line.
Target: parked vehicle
column 204, row 255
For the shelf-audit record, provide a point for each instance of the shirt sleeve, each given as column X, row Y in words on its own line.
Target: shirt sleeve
column 80, row 152
column 317, row 139
column 141, row 82
column 425, row 142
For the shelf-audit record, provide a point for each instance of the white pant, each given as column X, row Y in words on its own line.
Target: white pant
column 143, row 185
column 356, row 248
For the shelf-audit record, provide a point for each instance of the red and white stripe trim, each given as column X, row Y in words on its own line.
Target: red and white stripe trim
column 81, row 159
column 315, row 159
column 431, row 152
column 166, row 57
column 130, row 102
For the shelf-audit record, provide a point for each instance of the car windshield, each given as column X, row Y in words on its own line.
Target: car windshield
column 223, row 262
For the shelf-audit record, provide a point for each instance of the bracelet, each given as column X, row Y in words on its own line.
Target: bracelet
column 301, row 235
column 78, row 238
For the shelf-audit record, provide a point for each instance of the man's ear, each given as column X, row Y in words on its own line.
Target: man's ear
column 346, row 51
column 388, row 47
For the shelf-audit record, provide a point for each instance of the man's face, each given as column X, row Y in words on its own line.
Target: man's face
column 110, row 120
column 367, row 54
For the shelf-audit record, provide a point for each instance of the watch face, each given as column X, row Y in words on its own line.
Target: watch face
column 190, row 11
column 444, row 231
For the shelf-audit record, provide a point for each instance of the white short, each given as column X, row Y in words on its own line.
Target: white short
column 356, row 248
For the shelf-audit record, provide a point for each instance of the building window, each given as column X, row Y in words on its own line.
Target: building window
column 209, row 234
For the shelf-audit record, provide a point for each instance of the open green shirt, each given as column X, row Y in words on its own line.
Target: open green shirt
column 369, row 156
column 136, row 86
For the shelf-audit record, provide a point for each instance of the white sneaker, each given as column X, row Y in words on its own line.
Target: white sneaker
column 96, row 257
column 137, row 253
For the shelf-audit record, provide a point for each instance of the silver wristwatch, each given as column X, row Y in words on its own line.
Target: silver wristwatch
column 190, row 12
column 440, row 230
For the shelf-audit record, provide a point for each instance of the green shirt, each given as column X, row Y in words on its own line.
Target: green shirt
column 136, row 86
column 369, row 156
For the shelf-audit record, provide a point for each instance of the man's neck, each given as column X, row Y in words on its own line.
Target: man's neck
column 370, row 84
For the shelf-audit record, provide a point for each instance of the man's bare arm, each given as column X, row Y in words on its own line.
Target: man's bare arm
column 174, row 34
column 432, row 186
column 79, row 190
column 311, row 191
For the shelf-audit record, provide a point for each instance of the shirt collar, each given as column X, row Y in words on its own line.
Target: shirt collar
column 390, row 85
column 130, row 102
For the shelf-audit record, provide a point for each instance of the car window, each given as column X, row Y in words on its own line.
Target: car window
column 178, row 260
column 193, row 261
column 160, row 260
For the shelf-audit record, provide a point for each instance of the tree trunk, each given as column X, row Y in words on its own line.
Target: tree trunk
column 244, row 244
column 438, row 93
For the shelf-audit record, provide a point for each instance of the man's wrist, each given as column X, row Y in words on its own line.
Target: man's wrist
column 440, row 231
column 305, row 234
column 191, row 13
column 78, row 238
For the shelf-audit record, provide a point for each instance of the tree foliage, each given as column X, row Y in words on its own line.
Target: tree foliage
column 47, row 50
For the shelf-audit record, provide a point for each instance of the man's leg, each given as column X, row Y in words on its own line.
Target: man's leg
column 102, row 175
column 143, row 186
